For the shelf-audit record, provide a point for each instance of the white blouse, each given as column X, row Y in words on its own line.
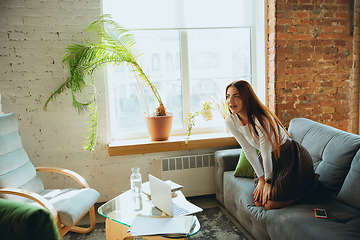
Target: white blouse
column 249, row 142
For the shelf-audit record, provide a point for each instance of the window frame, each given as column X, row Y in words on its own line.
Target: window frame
column 258, row 68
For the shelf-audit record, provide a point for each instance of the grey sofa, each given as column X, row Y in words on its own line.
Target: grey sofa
column 336, row 159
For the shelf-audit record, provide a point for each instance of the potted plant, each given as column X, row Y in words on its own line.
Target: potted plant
column 117, row 46
column 207, row 113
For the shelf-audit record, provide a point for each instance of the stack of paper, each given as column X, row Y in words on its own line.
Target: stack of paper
column 162, row 225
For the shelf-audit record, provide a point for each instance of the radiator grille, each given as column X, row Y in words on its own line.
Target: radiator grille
column 187, row 162
column 196, row 173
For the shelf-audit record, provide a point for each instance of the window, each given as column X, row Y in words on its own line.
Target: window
column 188, row 65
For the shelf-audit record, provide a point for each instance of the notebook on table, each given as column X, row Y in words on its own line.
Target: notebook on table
column 161, row 198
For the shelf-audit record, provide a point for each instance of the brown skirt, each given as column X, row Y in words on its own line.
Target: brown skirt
column 293, row 172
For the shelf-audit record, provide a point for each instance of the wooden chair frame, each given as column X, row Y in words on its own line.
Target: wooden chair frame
column 46, row 204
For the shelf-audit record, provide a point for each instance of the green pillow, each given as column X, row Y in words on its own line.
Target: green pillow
column 244, row 168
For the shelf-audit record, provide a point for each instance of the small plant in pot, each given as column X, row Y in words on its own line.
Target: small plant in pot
column 206, row 112
column 117, row 46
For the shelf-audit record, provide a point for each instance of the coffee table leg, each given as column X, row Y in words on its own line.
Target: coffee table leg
column 118, row 231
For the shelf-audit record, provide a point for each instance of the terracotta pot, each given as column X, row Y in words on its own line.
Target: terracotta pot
column 159, row 127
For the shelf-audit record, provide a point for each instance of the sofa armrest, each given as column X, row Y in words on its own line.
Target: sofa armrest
column 225, row 160
column 23, row 221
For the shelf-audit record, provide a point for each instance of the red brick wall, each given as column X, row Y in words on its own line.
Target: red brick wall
column 315, row 58
column 354, row 104
column 271, row 55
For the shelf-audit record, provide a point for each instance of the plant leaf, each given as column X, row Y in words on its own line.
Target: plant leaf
column 90, row 142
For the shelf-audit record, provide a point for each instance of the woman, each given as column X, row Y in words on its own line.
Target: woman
column 283, row 169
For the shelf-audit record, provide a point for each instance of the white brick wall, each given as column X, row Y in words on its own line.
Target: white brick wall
column 33, row 35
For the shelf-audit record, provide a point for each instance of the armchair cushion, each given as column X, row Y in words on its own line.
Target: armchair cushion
column 26, row 222
column 16, row 170
column 71, row 204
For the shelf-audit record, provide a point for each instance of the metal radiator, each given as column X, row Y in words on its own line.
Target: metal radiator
column 196, row 173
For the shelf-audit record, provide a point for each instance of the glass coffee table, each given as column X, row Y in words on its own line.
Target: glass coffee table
column 120, row 213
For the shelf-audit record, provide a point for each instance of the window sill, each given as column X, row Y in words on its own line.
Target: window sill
column 174, row 143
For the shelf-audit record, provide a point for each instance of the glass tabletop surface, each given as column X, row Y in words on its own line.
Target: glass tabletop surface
column 121, row 209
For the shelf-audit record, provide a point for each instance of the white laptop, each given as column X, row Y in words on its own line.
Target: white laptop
column 161, row 198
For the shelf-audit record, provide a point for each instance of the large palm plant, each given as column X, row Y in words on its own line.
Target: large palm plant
column 117, row 47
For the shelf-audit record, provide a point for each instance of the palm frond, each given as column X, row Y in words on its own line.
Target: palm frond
column 60, row 90
column 145, row 80
column 117, row 36
column 90, row 142
column 80, row 107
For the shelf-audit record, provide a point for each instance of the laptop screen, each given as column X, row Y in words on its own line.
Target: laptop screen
column 161, row 195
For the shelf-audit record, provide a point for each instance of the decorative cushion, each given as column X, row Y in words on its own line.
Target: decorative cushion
column 26, row 222
column 244, row 168
column 350, row 190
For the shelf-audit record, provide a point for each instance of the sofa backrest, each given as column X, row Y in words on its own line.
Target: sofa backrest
column 16, row 170
column 331, row 149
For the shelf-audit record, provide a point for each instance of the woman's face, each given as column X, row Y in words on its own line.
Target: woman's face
column 234, row 101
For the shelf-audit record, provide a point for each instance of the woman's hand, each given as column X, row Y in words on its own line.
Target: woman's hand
column 266, row 193
column 258, row 192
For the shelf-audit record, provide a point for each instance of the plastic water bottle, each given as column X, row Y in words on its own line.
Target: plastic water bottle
column 135, row 180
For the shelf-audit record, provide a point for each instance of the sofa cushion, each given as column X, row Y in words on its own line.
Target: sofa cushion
column 332, row 150
column 350, row 191
column 298, row 221
column 238, row 200
column 244, row 168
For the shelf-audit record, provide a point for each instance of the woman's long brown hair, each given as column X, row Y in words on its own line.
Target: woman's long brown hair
column 255, row 108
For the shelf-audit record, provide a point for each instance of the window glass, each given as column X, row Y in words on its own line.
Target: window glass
column 160, row 61
column 216, row 57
